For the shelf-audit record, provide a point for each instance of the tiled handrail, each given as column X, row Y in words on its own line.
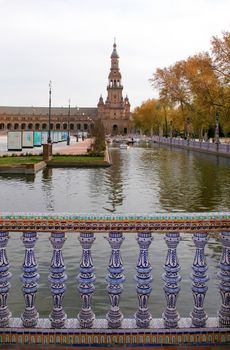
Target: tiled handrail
column 88, row 225
column 159, row 222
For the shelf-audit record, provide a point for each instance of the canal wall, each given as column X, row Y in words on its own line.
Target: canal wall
column 22, row 168
column 218, row 149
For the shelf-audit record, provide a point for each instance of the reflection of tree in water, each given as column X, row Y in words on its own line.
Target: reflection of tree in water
column 192, row 182
column 113, row 182
column 47, row 188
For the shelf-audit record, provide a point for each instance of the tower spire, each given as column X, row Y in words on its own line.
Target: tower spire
column 114, row 53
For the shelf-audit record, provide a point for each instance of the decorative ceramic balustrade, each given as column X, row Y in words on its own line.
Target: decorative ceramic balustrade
column 209, row 147
column 171, row 226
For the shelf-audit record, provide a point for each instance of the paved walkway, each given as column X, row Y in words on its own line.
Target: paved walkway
column 74, row 148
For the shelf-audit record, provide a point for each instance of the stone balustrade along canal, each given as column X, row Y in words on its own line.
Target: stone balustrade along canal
column 142, row 329
column 217, row 148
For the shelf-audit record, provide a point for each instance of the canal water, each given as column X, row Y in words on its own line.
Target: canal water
column 141, row 180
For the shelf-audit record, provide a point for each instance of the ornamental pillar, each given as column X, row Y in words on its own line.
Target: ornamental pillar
column 5, row 276
column 115, row 278
column 199, row 278
column 144, row 279
column 224, row 276
column 57, row 279
column 29, row 279
column 171, row 278
column 86, row 279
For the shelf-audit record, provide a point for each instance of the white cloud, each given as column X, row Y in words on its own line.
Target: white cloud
column 70, row 42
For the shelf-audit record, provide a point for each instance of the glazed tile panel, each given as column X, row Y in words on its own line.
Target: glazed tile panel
column 157, row 222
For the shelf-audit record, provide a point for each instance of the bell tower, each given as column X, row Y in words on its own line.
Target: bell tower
column 115, row 111
column 114, row 87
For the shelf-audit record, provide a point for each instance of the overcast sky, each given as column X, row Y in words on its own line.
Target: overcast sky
column 70, row 43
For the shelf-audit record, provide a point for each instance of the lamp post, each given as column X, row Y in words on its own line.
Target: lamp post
column 217, row 140
column 49, row 133
column 68, row 136
column 171, row 133
column 188, row 130
column 90, row 125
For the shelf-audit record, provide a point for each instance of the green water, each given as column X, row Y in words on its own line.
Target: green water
column 140, row 180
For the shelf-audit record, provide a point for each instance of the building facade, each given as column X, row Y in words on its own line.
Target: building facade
column 114, row 112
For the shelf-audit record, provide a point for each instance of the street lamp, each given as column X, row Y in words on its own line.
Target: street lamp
column 188, row 130
column 49, row 133
column 217, row 140
column 68, row 136
column 171, row 133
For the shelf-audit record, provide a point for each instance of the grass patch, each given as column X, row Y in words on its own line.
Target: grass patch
column 76, row 158
column 20, row 160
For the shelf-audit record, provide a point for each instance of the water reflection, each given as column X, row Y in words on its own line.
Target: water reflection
column 27, row 178
column 193, row 182
column 114, row 183
column 47, row 188
column 140, row 180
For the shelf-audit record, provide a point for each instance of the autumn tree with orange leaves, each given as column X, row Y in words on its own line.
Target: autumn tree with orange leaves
column 193, row 90
column 148, row 118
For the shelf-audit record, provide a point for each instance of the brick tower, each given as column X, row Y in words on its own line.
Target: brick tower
column 115, row 111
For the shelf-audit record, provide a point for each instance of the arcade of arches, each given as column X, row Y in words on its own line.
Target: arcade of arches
column 114, row 112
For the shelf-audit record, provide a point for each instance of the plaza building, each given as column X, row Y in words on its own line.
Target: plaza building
column 114, row 112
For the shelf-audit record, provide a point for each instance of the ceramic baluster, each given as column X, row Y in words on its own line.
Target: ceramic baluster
column 29, row 279
column 5, row 276
column 144, row 279
column 199, row 278
column 86, row 280
column 57, row 278
column 115, row 278
column 171, row 278
column 224, row 276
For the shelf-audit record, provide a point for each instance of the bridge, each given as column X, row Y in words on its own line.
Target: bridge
column 142, row 329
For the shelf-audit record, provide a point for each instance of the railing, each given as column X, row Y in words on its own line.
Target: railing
column 142, row 329
column 216, row 148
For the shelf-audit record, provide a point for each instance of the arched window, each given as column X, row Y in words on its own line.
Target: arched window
column 85, row 126
column 51, row 126
column 9, row 126
column 44, row 126
column 30, row 126
column 58, row 126
column 78, row 126
column 16, row 126
column 64, row 126
column 23, row 126
column 115, row 129
column 2, row 126
column 37, row 126
column 71, row 126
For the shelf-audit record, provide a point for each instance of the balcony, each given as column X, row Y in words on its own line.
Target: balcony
column 142, row 329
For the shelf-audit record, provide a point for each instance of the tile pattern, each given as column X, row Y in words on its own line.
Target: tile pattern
column 157, row 222
column 100, row 335
column 100, row 332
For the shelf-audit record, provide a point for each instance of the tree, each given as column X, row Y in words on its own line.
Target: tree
column 98, row 134
column 148, row 118
column 196, row 88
